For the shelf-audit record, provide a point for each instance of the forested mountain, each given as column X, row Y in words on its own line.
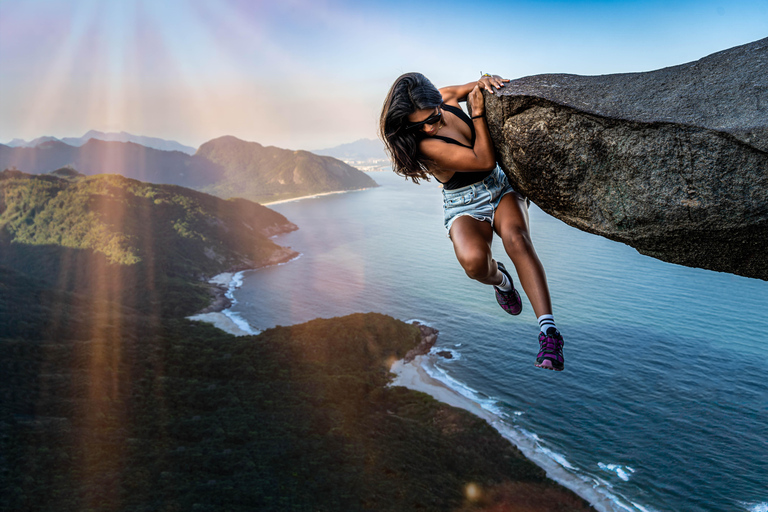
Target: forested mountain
column 269, row 173
column 226, row 167
column 60, row 228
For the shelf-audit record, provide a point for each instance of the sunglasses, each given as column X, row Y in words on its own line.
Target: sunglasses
column 434, row 118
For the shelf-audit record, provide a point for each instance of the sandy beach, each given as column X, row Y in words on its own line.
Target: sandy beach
column 223, row 279
column 413, row 376
column 311, row 195
column 219, row 319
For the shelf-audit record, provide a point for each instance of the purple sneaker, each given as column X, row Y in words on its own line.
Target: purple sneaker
column 509, row 301
column 550, row 350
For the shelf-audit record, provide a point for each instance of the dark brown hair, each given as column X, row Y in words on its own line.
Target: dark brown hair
column 409, row 93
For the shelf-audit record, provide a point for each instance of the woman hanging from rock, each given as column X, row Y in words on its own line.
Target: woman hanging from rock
column 428, row 134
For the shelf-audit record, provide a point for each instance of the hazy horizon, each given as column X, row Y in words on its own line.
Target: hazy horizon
column 123, row 132
column 311, row 75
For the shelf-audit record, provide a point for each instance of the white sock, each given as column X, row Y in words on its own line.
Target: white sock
column 506, row 284
column 546, row 322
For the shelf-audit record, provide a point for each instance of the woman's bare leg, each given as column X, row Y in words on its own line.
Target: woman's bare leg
column 472, row 244
column 511, row 224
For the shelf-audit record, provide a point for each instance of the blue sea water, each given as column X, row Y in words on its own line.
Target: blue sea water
column 664, row 402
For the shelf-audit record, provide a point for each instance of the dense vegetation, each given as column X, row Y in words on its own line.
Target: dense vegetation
column 111, row 236
column 109, row 404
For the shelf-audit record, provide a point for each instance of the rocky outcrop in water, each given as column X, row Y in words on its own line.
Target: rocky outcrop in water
column 672, row 162
column 428, row 340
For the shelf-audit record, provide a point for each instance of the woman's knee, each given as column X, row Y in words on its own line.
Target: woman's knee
column 477, row 265
column 517, row 240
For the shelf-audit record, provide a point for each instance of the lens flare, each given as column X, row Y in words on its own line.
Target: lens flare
column 473, row 491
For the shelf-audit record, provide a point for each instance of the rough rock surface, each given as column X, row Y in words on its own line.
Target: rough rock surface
column 672, row 162
column 428, row 340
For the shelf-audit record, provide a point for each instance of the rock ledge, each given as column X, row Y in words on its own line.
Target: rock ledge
column 672, row 162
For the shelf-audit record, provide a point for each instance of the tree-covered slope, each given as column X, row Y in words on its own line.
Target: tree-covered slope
column 268, row 173
column 107, row 231
column 183, row 417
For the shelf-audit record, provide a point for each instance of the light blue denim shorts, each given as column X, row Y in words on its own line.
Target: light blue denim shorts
column 478, row 200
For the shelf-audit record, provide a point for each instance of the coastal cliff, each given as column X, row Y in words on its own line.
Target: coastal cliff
column 672, row 162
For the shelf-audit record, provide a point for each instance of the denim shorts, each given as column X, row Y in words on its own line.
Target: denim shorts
column 478, row 200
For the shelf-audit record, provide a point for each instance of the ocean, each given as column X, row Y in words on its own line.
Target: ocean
column 663, row 404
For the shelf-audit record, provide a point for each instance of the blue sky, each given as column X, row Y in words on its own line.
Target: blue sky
column 311, row 73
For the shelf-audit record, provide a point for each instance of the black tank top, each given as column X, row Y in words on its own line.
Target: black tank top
column 461, row 179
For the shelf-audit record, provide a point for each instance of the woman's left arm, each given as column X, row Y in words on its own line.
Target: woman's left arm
column 456, row 93
column 452, row 157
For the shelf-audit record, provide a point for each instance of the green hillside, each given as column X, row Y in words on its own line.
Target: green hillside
column 110, row 400
column 84, row 233
column 266, row 174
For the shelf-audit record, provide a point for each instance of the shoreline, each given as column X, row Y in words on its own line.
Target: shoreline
column 223, row 286
column 414, row 375
column 280, row 201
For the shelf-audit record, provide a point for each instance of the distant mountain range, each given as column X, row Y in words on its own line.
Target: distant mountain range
column 101, row 157
column 363, row 154
column 360, row 150
column 150, row 142
column 226, row 167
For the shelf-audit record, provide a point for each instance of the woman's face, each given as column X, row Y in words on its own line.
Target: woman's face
column 427, row 120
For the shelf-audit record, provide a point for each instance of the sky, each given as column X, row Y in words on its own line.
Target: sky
column 312, row 74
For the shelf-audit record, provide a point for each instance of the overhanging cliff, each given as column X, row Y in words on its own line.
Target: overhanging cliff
column 672, row 162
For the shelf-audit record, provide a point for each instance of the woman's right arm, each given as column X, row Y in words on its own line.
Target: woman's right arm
column 457, row 93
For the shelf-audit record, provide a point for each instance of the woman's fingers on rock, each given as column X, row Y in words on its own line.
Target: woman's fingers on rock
column 482, row 84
